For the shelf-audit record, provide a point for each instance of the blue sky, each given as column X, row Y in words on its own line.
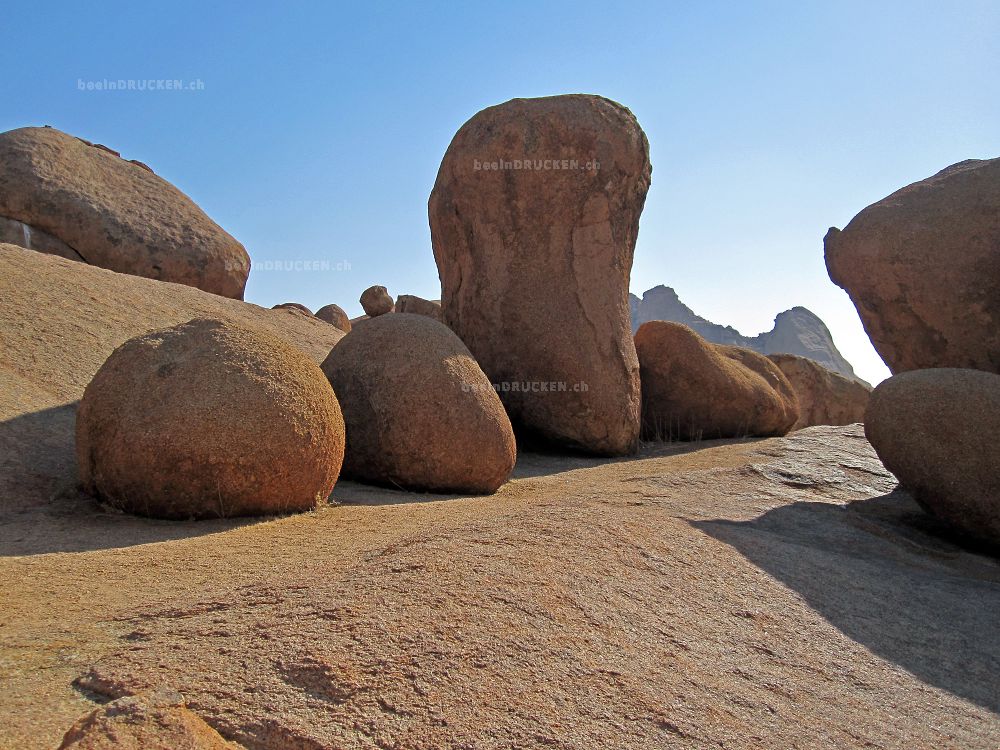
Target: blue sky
column 319, row 128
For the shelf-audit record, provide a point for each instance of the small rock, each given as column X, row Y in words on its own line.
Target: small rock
column 409, row 303
column 376, row 301
column 335, row 315
column 293, row 306
column 156, row 720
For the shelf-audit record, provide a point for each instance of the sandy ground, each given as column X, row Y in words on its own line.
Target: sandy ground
column 775, row 593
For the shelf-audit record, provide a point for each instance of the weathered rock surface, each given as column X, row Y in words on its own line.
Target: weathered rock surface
column 936, row 431
column 824, row 396
column 692, row 389
column 293, row 306
column 156, row 720
column 112, row 213
column 376, row 301
column 490, row 625
column 797, row 331
column 409, row 303
column 18, row 233
column 921, row 268
column 535, row 261
column 420, row 413
column 209, row 419
column 335, row 315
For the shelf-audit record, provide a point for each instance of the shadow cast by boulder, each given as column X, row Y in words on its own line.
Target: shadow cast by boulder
column 892, row 579
column 41, row 509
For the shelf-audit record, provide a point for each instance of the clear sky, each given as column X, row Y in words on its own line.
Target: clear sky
column 317, row 129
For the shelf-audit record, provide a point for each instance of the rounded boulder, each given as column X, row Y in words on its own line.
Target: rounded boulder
column 209, row 419
column 921, row 268
column 936, row 431
column 376, row 301
column 419, row 411
column 335, row 316
column 692, row 389
column 825, row 397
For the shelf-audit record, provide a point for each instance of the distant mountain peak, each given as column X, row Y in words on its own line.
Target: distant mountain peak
column 796, row 331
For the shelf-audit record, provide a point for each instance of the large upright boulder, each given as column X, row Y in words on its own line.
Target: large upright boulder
column 936, row 431
column 85, row 202
column 692, row 389
column 534, row 217
column 825, row 397
column 419, row 412
column 923, row 269
column 209, row 419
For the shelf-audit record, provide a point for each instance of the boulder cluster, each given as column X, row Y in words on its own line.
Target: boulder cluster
column 532, row 335
column 692, row 389
column 922, row 266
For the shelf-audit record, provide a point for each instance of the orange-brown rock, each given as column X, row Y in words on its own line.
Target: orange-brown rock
column 376, row 301
column 335, row 315
column 534, row 217
column 420, row 414
column 825, row 397
column 293, row 306
column 921, row 268
column 410, row 303
column 692, row 389
column 209, row 419
column 154, row 720
column 112, row 213
column 936, row 431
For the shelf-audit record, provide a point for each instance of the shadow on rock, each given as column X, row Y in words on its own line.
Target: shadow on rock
column 889, row 577
column 41, row 509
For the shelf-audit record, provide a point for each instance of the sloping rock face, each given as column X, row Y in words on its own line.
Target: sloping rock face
column 534, row 258
column 420, row 413
column 921, row 268
column 797, row 331
column 936, row 431
column 209, row 419
column 59, row 321
column 490, row 625
column 86, row 203
column 824, row 396
column 692, row 389
column 157, row 720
